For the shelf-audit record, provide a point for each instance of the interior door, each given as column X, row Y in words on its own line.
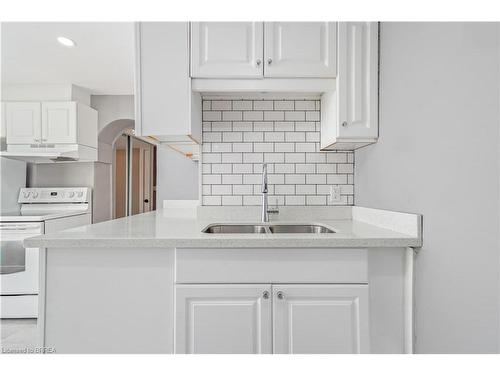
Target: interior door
column 226, row 49
column 23, row 122
column 59, row 122
column 320, row 319
column 300, row 49
column 357, row 82
column 223, row 319
column 120, row 184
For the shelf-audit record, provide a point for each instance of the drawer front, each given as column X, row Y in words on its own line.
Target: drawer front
column 274, row 265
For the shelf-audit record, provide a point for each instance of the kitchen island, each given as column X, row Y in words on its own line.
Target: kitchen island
column 155, row 283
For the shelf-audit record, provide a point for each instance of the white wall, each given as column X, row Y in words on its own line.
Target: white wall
column 61, row 174
column 113, row 107
column 438, row 155
column 177, row 176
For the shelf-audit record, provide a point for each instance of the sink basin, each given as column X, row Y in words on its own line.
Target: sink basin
column 299, row 228
column 235, row 228
column 266, row 228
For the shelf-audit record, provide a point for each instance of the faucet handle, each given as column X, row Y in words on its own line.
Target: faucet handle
column 275, row 209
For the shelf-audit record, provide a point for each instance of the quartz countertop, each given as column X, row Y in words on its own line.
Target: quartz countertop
column 355, row 227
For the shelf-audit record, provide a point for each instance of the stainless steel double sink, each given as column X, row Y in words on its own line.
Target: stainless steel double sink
column 266, row 228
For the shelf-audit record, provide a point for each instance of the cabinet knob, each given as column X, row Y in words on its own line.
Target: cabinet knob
column 280, row 295
column 259, row 61
column 344, row 124
column 269, row 61
column 265, row 294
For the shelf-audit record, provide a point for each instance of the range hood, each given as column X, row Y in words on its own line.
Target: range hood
column 58, row 153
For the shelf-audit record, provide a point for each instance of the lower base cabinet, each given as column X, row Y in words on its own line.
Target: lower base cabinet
column 265, row 318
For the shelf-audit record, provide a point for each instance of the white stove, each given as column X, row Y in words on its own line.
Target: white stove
column 42, row 210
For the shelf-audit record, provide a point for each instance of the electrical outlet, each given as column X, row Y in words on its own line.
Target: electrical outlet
column 335, row 194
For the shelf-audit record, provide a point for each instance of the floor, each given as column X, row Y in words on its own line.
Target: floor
column 18, row 335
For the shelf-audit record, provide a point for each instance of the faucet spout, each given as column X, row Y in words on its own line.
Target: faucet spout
column 264, row 213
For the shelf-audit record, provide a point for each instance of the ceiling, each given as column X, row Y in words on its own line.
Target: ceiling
column 102, row 60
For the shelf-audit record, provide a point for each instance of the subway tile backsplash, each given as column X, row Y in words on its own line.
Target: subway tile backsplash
column 240, row 135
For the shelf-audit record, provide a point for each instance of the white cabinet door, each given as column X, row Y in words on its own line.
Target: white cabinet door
column 59, row 122
column 300, row 49
column 23, row 122
column 226, row 49
column 357, row 81
column 223, row 319
column 165, row 104
column 320, row 319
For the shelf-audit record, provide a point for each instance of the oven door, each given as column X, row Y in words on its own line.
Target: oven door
column 19, row 268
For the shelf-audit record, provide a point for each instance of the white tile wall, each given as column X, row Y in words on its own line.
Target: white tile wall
column 239, row 135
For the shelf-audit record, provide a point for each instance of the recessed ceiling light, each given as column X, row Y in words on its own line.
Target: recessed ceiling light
column 66, row 41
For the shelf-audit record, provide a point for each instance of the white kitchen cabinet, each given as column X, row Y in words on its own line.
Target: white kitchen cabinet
column 257, row 49
column 59, row 122
column 300, row 49
column 236, row 318
column 223, row 319
column 51, row 123
column 166, row 108
column 320, row 319
column 349, row 117
column 23, row 122
column 226, row 49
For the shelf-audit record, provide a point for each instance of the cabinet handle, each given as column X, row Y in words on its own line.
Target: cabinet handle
column 280, row 295
column 258, row 62
column 36, row 139
column 265, row 294
column 44, row 139
column 344, row 124
column 269, row 61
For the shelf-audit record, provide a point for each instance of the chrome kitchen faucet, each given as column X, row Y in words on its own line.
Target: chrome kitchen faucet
column 265, row 209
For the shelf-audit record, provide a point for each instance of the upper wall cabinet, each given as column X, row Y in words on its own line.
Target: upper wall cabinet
column 300, row 49
column 226, row 49
column 349, row 114
column 166, row 108
column 257, row 50
column 56, row 123
column 23, row 122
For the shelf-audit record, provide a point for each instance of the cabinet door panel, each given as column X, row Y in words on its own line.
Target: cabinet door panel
column 358, row 79
column 222, row 319
column 163, row 91
column 226, row 49
column 300, row 49
column 320, row 319
column 23, row 122
column 59, row 122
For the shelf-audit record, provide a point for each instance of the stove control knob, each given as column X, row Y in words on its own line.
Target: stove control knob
column 26, row 194
column 79, row 194
column 35, row 194
column 71, row 194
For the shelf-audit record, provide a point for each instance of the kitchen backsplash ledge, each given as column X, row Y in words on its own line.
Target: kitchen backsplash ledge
column 240, row 135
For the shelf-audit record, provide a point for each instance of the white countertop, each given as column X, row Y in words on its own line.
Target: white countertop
column 360, row 227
